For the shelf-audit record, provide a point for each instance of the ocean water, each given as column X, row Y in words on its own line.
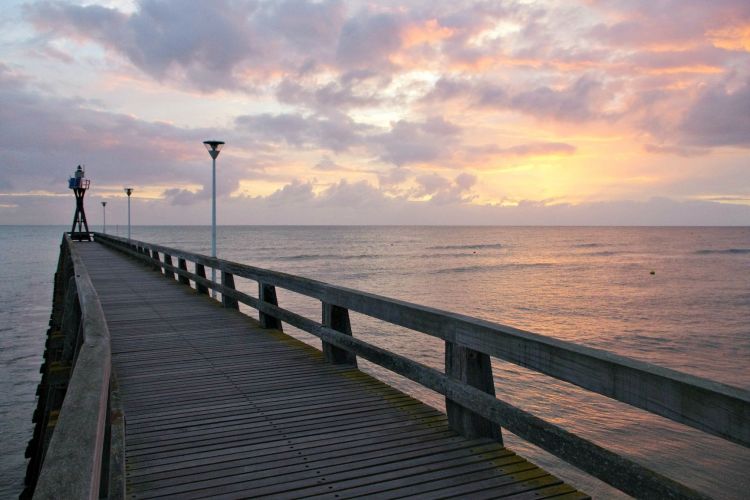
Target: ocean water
column 592, row 286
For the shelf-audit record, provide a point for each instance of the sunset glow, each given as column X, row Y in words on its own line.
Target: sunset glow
column 485, row 108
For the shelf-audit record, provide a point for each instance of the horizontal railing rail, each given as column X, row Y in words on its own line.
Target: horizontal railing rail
column 72, row 463
column 709, row 406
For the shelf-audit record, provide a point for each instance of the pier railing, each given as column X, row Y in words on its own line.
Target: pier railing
column 467, row 384
column 76, row 449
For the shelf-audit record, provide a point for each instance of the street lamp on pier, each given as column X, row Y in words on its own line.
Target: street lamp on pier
column 128, row 191
column 104, row 212
column 213, row 147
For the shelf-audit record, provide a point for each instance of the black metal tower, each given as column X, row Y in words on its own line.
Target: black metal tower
column 79, row 184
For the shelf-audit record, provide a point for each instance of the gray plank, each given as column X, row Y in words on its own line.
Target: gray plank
column 216, row 405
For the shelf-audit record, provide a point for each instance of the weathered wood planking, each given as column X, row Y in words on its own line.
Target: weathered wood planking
column 709, row 406
column 79, row 436
column 217, row 406
column 467, row 391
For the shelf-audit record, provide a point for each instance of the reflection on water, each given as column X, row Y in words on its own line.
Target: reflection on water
column 589, row 285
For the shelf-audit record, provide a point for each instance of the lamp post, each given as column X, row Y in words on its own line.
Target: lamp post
column 128, row 191
column 104, row 212
column 213, row 147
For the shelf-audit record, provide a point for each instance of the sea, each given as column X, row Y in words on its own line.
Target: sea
column 677, row 297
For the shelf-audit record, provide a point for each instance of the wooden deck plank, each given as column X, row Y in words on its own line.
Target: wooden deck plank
column 301, row 483
column 252, row 447
column 419, row 477
column 555, row 491
column 330, row 465
column 154, row 417
column 299, row 455
column 520, row 478
column 265, row 428
column 291, row 457
column 216, row 406
column 254, row 425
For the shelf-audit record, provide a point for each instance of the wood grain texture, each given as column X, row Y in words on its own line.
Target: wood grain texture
column 709, row 406
column 227, row 281
column 337, row 318
column 475, row 369
column 182, row 278
column 217, row 406
column 267, row 293
column 167, row 264
column 73, row 462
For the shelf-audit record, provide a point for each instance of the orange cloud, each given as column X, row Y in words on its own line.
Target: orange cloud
column 429, row 31
column 731, row 37
column 702, row 69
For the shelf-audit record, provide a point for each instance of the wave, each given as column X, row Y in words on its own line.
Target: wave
column 466, row 247
column 480, row 268
column 588, row 245
column 443, row 256
column 603, row 253
column 316, row 256
column 726, row 251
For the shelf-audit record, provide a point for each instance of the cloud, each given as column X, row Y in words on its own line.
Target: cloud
column 685, row 152
column 666, row 23
column 242, row 44
column 361, row 203
column 351, row 195
column 417, row 92
column 206, row 45
column 296, row 192
column 528, row 149
column 394, row 176
column 354, row 89
column 416, row 142
column 584, row 99
column 430, row 184
column 719, row 117
column 326, row 164
column 177, row 196
column 441, row 190
column 43, row 138
column 334, row 131
column 369, row 41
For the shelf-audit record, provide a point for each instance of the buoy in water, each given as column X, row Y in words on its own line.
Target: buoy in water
column 653, row 272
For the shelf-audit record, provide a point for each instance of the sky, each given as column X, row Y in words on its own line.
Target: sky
column 587, row 112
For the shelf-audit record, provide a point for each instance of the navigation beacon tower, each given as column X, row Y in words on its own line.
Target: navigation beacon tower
column 79, row 184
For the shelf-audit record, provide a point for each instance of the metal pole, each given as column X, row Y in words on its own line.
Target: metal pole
column 128, row 217
column 104, row 210
column 213, row 222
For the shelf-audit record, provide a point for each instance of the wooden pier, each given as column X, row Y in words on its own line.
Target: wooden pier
column 151, row 388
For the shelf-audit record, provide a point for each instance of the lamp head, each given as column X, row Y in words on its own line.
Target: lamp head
column 213, row 147
column 128, row 191
column 104, row 203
